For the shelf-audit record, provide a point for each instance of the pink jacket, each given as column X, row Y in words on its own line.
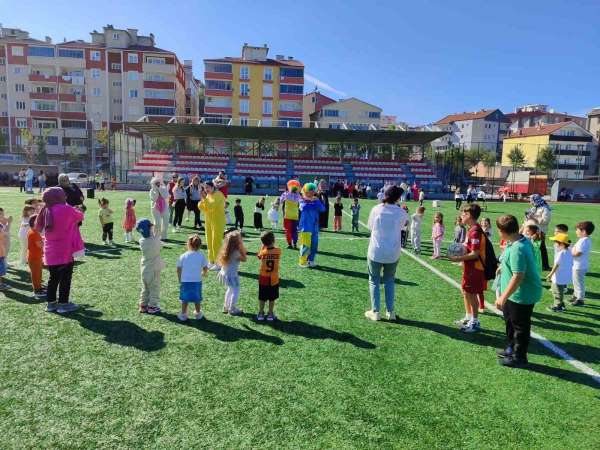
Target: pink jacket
column 64, row 238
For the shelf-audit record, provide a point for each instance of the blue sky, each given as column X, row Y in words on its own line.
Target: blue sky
column 418, row 60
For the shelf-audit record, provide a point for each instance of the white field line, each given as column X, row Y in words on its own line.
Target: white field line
column 541, row 339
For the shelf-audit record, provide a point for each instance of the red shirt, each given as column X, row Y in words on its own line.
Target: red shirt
column 170, row 188
column 474, row 244
column 35, row 250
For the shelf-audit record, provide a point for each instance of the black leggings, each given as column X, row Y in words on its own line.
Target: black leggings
column 239, row 222
column 544, row 253
column 179, row 210
column 107, row 231
column 196, row 210
column 458, row 203
column 60, row 279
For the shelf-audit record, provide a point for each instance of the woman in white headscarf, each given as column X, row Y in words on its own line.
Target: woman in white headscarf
column 159, row 199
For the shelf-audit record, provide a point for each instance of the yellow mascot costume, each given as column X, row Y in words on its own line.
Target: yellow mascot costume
column 213, row 205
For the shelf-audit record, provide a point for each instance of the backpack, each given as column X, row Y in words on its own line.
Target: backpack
column 491, row 262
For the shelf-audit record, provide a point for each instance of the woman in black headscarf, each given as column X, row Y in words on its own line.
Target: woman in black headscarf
column 322, row 195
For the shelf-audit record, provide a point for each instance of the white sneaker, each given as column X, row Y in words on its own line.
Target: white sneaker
column 390, row 315
column 373, row 315
column 182, row 317
column 111, row 243
column 304, row 266
column 234, row 311
column 200, row 315
column 472, row 327
column 214, row 268
column 462, row 322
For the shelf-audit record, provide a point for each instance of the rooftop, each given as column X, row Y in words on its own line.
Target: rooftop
column 482, row 114
column 540, row 130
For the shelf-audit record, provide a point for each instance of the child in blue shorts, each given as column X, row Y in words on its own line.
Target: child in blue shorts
column 191, row 267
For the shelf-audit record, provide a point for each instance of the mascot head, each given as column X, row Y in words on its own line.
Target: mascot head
column 293, row 186
column 309, row 190
column 144, row 227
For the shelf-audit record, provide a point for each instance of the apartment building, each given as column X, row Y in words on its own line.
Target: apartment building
column 194, row 91
column 483, row 130
column 574, row 147
column 528, row 116
column 313, row 102
column 350, row 113
column 64, row 91
column 254, row 89
column 593, row 123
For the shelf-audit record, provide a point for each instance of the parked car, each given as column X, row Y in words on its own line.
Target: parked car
column 78, row 177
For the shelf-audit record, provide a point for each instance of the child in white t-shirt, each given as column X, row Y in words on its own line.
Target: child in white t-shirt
column 581, row 260
column 191, row 267
column 561, row 273
column 416, row 223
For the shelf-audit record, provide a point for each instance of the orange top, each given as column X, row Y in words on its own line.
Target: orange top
column 35, row 251
column 2, row 244
column 269, row 266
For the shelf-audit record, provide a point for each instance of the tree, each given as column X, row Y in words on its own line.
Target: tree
column 546, row 160
column 517, row 158
column 489, row 161
column 27, row 142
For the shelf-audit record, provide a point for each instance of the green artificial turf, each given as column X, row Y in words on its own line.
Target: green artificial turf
column 321, row 377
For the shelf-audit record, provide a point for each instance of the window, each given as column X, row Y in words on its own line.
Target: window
column 116, row 36
column 133, row 93
column 159, row 111
column 244, row 89
column 244, row 106
column 2, row 61
column 268, row 74
column 331, row 113
column 80, row 125
column 95, row 74
column 287, row 72
column 132, row 58
column 116, row 83
column 267, row 107
column 44, row 124
column 41, row 51
column 244, row 121
column 17, row 51
column 117, row 101
column 21, row 123
column 20, row 87
column 219, row 85
column 44, row 90
column 154, row 60
column 267, row 90
column 115, row 66
column 291, row 89
column 219, row 68
column 133, row 76
column 159, row 93
column 17, row 70
column 70, row 53
column 43, row 106
column 117, row 118
column 244, row 75
column 2, row 77
column 155, row 77
column 374, row 114
column 290, row 106
column 20, row 105
column 96, row 92
column 3, row 96
column 267, row 123
column 52, row 140
column 95, row 55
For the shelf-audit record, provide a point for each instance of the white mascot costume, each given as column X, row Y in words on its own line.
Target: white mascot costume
column 159, row 199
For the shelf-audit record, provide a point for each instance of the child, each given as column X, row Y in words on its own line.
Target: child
column 421, row 197
column 581, row 260
column 561, row 274
column 274, row 214
column 129, row 219
column 231, row 254
column 437, row 234
column 415, row 229
column 6, row 222
column 268, row 280
column 532, row 232
column 28, row 211
column 238, row 212
column 258, row 209
column 355, row 209
column 459, row 231
column 521, row 289
column 404, row 230
column 560, row 228
column 191, row 267
column 151, row 265
column 338, row 206
column 35, row 258
column 4, row 232
column 486, row 226
column 228, row 220
column 105, row 214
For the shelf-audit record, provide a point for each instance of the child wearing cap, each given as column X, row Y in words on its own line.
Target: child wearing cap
column 561, row 273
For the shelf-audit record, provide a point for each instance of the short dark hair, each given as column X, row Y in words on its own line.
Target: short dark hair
column 586, row 226
column 532, row 227
column 32, row 220
column 392, row 194
column 563, row 228
column 267, row 238
column 474, row 209
column 238, row 200
column 507, row 224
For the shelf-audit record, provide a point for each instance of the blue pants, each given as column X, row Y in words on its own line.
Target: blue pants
column 29, row 185
column 375, row 279
column 309, row 246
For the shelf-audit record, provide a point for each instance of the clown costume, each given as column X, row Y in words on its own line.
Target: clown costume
column 308, row 226
column 290, row 201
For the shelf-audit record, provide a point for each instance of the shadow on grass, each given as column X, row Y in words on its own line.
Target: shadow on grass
column 566, row 375
column 21, row 274
column 343, row 256
column 548, row 320
column 283, row 283
column 593, row 274
column 355, row 274
column 223, row 332
column 119, row 332
column 22, row 297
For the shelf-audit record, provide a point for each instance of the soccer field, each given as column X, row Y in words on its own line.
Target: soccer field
column 322, row 376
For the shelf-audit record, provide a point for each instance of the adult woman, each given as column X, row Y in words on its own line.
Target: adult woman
column 248, row 182
column 322, row 195
column 159, row 197
column 72, row 192
column 458, row 198
column 42, row 181
column 179, row 197
column 193, row 197
column 385, row 222
column 213, row 205
column 59, row 221
column 541, row 212
column 22, row 178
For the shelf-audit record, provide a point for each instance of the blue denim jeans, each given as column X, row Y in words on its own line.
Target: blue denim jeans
column 375, row 279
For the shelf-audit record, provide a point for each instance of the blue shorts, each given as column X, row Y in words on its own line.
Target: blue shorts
column 2, row 266
column 190, row 292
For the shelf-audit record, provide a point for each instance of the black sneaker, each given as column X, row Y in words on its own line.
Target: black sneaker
column 507, row 352
column 577, row 303
column 290, row 247
column 557, row 309
column 511, row 361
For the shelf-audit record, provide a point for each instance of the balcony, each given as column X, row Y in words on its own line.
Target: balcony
column 217, row 110
column 159, row 102
column 72, row 115
column 42, row 77
column 291, row 80
column 218, row 93
column 43, row 96
column 291, row 96
column 72, row 79
column 159, row 84
column 71, row 98
column 294, row 114
column 218, row 76
column 44, row 114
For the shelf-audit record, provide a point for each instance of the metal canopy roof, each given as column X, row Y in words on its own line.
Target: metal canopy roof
column 323, row 135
